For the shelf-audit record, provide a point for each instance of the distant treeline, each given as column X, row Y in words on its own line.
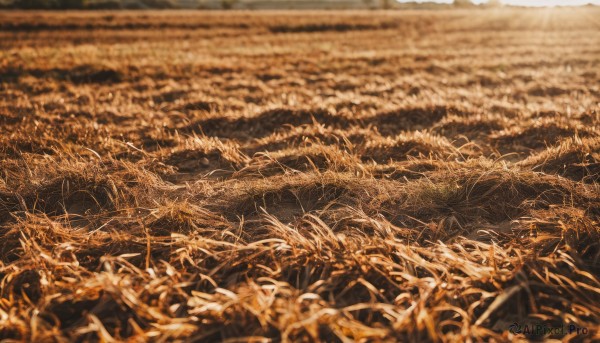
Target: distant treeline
column 215, row 4
column 87, row 4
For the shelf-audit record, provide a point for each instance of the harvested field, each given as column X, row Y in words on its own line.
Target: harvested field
column 300, row 176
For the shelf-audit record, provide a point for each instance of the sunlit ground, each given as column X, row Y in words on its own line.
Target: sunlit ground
column 537, row 3
column 549, row 2
column 295, row 176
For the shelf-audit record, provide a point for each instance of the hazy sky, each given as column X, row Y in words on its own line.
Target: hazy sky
column 527, row 2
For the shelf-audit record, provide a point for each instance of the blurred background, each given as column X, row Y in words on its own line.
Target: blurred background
column 280, row 4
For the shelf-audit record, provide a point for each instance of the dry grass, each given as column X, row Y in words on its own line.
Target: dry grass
column 313, row 176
